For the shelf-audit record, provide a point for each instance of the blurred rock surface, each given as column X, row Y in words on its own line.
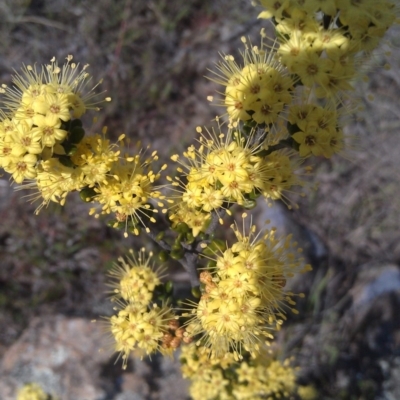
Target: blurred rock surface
column 59, row 353
column 62, row 355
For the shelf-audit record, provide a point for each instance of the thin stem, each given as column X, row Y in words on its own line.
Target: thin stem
column 188, row 262
column 283, row 144
column 191, row 251
column 162, row 243
column 190, row 267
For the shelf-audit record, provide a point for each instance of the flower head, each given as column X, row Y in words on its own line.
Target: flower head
column 230, row 168
column 37, row 112
column 257, row 378
column 52, row 90
column 140, row 324
column 134, row 278
column 139, row 330
column 127, row 188
column 258, row 91
column 31, row 391
column 243, row 296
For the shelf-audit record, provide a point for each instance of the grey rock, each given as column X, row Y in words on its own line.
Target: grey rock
column 59, row 353
column 391, row 386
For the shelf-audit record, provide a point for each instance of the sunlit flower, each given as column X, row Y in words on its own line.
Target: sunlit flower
column 244, row 297
column 31, row 391
column 262, row 377
column 258, row 90
column 134, row 278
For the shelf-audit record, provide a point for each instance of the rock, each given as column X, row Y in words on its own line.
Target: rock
column 283, row 220
column 158, row 379
column 391, row 386
column 62, row 355
column 134, row 383
column 370, row 294
column 172, row 386
column 59, row 353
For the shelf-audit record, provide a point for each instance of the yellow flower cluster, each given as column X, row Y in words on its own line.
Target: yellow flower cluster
column 31, row 391
column 265, row 378
column 320, row 49
column 140, row 324
column 258, row 91
column 38, row 107
column 314, row 126
column 134, row 279
column 243, row 296
column 41, row 142
column 206, row 373
column 324, row 42
column 227, row 170
column 124, row 187
column 260, row 378
column 316, row 129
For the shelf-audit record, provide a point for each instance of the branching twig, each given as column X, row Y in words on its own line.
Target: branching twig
column 162, row 243
column 189, row 263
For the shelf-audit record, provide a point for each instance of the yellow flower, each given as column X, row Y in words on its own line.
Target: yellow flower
column 211, row 199
column 266, row 110
column 380, row 14
column 298, row 113
column 127, row 188
column 134, row 278
column 218, row 171
column 264, row 377
column 27, row 138
column 299, row 21
column 57, row 108
column 330, row 39
column 225, row 379
column 53, row 182
column 31, row 391
column 312, row 141
column 192, row 195
column 319, row 131
column 34, row 93
column 312, row 69
column 335, row 143
column 274, row 8
column 291, row 50
column 22, row 167
column 51, row 90
column 196, row 220
column 140, row 330
column 259, row 90
column 49, row 130
column 244, row 298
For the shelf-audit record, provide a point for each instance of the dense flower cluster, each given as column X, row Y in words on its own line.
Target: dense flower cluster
column 38, row 107
column 294, row 118
column 229, row 169
column 140, row 324
column 316, row 128
column 307, row 73
column 32, row 391
column 324, row 43
column 225, row 379
column 243, row 293
column 42, row 141
column 258, row 91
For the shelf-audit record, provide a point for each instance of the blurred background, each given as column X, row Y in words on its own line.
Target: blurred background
column 153, row 56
